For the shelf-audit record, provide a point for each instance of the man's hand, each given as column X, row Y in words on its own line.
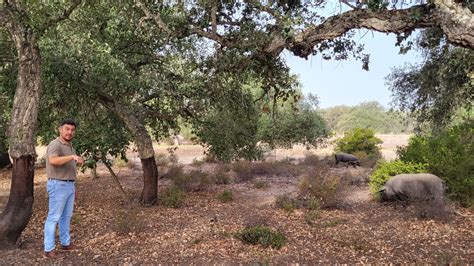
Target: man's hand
column 78, row 159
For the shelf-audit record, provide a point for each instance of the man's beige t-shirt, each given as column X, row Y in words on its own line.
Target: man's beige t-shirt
column 66, row 171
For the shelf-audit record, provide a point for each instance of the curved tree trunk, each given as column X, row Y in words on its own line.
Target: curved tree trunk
column 22, row 130
column 144, row 145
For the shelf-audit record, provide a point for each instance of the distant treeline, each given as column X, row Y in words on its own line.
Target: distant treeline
column 367, row 115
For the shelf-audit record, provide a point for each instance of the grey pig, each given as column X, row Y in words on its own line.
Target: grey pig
column 347, row 158
column 415, row 187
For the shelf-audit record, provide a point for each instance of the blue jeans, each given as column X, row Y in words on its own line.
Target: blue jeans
column 61, row 204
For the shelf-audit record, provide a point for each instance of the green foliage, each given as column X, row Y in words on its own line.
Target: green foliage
column 449, row 156
column 359, row 139
column 287, row 203
column 435, row 90
column 226, row 196
column 172, row 197
column 368, row 114
column 377, row 5
column 295, row 122
column 385, row 170
column 260, row 235
column 230, row 132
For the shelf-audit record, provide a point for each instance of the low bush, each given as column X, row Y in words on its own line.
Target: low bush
column 318, row 183
column 220, row 177
column 224, row 167
column 172, row 197
column 360, row 140
column 385, row 170
column 226, row 196
column 195, row 180
column 260, row 235
column 243, row 170
column 287, row 203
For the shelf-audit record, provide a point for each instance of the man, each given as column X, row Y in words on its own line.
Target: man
column 61, row 160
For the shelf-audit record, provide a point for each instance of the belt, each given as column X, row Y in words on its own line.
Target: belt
column 61, row 180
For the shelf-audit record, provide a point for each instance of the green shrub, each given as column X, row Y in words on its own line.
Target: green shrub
column 226, row 196
column 359, row 139
column 385, row 170
column 449, row 156
column 416, row 150
column 172, row 197
column 286, row 203
column 260, row 235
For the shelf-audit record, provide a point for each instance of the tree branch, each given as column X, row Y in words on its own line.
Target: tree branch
column 459, row 30
column 65, row 15
column 156, row 17
column 395, row 21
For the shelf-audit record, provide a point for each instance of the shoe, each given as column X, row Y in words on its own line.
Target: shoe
column 52, row 254
column 68, row 248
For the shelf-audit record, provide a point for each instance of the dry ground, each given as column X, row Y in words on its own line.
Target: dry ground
column 108, row 231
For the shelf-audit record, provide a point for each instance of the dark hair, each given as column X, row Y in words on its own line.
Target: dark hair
column 68, row 121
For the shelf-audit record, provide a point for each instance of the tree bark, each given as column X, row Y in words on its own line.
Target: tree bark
column 144, row 144
column 150, row 181
column 19, row 207
column 22, row 133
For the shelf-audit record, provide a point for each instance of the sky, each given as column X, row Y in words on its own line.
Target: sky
column 345, row 82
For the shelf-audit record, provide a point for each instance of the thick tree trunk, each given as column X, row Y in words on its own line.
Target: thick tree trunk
column 19, row 207
column 150, row 181
column 144, row 145
column 22, row 133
